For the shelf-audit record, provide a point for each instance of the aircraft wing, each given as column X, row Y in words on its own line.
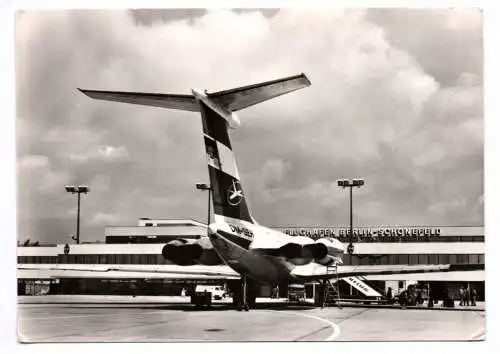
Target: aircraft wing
column 314, row 271
column 246, row 96
column 181, row 102
column 47, row 271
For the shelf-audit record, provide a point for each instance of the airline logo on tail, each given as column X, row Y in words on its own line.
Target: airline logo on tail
column 235, row 194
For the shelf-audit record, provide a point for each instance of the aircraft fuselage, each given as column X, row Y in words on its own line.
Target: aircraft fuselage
column 248, row 249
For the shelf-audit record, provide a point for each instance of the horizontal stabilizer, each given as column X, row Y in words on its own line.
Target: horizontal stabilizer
column 231, row 100
column 181, row 102
column 246, row 96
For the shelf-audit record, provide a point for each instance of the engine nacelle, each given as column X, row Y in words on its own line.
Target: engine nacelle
column 190, row 252
column 329, row 251
column 296, row 254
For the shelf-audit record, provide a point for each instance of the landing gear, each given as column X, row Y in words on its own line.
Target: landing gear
column 243, row 305
column 244, row 293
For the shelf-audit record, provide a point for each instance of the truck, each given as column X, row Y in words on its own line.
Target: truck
column 414, row 295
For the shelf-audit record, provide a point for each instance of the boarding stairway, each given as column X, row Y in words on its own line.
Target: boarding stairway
column 331, row 293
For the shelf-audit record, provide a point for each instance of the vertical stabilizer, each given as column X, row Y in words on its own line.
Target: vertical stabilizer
column 227, row 193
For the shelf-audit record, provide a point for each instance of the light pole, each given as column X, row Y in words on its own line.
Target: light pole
column 77, row 190
column 345, row 183
column 205, row 187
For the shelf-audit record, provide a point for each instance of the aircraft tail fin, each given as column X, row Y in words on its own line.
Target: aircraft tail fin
column 228, row 198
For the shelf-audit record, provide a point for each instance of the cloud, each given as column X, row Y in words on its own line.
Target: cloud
column 399, row 107
column 436, row 38
column 103, row 152
column 105, row 218
column 36, row 171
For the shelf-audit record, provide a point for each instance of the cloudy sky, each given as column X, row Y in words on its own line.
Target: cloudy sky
column 396, row 98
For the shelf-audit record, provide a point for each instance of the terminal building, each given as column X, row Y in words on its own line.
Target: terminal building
column 142, row 245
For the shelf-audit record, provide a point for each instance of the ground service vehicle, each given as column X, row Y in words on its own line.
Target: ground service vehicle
column 296, row 292
column 204, row 294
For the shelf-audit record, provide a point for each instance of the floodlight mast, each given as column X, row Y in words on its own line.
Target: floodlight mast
column 77, row 190
column 345, row 183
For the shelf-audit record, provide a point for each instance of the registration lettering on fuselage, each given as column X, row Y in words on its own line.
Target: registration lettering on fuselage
column 241, row 230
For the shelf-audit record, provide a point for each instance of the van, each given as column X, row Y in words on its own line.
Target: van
column 217, row 291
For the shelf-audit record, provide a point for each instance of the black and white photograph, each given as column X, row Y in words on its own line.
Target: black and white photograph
column 250, row 175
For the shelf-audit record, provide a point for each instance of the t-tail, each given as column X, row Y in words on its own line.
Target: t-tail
column 217, row 112
column 227, row 194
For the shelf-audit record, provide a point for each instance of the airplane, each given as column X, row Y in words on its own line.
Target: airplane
column 236, row 245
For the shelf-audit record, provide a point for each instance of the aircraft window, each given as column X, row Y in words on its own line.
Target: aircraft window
column 444, row 258
column 365, row 261
column 433, row 259
column 473, row 259
column 404, row 259
column 423, row 259
column 355, row 260
column 393, row 259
